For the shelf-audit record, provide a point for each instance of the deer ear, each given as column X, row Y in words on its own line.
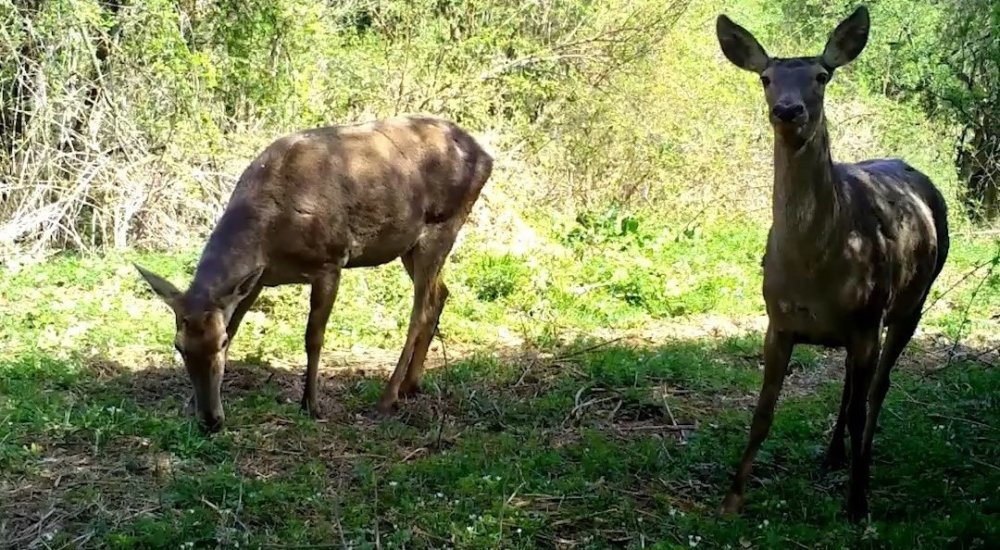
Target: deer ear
column 162, row 287
column 240, row 288
column 739, row 46
column 848, row 39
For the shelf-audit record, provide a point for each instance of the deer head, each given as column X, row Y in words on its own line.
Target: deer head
column 201, row 337
column 794, row 87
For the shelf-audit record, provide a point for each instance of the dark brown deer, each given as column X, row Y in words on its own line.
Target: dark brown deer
column 852, row 248
column 316, row 202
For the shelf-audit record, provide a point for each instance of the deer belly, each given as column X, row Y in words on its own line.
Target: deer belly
column 279, row 273
column 811, row 323
column 384, row 248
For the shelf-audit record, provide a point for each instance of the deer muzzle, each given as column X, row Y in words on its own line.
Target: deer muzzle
column 788, row 113
column 208, row 398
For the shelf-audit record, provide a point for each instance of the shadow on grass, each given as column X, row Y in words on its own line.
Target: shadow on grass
column 592, row 445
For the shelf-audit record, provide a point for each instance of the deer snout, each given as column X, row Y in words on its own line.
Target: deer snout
column 787, row 112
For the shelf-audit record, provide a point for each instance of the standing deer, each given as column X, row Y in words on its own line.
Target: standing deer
column 852, row 248
column 316, row 202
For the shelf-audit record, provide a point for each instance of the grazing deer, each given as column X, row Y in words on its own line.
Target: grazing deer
column 316, row 202
column 852, row 248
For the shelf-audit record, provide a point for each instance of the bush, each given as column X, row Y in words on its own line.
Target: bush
column 128, row 122
column 493, row 277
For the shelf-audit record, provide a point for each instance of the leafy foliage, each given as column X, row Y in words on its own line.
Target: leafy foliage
column 127, row 121
column 496, row 276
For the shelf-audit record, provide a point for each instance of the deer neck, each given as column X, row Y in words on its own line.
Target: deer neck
column 805, row 205
column 233, row 250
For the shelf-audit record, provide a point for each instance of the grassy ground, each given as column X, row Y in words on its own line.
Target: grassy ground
column 594, row 395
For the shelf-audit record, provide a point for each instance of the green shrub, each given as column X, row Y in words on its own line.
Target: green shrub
column 493, row 277
column 610, row 228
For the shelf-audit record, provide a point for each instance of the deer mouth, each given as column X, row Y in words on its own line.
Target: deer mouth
column 790, row 129
column 795, row 123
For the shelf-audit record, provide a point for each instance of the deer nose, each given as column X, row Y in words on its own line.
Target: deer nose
column 787, row 112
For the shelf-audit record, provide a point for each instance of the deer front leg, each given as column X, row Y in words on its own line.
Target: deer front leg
column 777, row 352
column 324, row 293
column 241, row 310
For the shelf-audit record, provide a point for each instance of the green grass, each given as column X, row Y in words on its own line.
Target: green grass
column 530, row 437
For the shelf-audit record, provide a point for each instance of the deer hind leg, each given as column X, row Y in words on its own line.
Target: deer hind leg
column 321, row 299
column 427, row 258
column 439, row 295
column 777, row 352
column 836, row 452
column 897, row 336
column 864, row 352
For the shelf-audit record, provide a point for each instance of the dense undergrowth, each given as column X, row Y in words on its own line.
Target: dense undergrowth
column 135, row 132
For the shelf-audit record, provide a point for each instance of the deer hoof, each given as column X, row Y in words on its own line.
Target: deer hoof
column 386, row 407
column 409, row 389
column 856, row 515
column 311, row 407
column 189, row 408
column 857, row 509
column 833, row 461
column 732, row 505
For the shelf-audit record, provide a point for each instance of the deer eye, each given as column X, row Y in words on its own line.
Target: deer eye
column 823, row 78
column 224, row 343
column 765, row 81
